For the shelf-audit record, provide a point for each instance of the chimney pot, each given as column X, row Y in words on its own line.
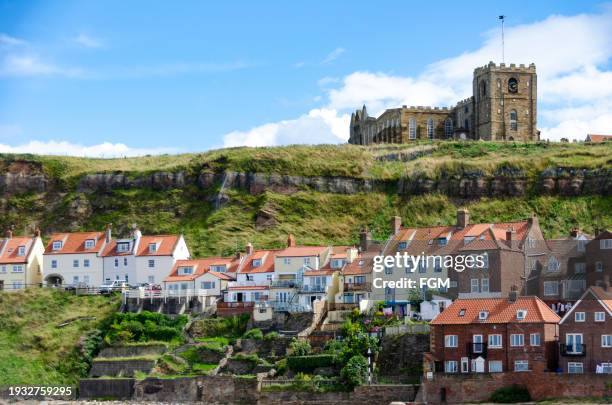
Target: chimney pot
column 290, row 240
column 108, row 232
column 463, row 218
column 249, row 248
column 364, row 240
column 396, row 224
column 9, row 233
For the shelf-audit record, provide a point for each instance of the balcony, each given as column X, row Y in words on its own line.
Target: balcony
column 307, row 288
column 573, row 350
column 357, row 286
column 477, row 350
column 234, row 308
column 285, row 284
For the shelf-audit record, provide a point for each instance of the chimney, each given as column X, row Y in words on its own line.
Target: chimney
column 9, row 233
column 533, row 220
column 37, row 232
column 575, row 232
column 396, row 224
column 364, row 240
column 351, row 254
column 249, row 249
column 509, row 233
column 108, row 232
column 290, row 241
column 606, row 283
column 512, row 297
column 463, row 218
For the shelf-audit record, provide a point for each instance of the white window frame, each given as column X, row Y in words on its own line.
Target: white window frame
column 86, row 263
column 547, row 288
column 152, row 247
column 450, row 366
column 451, row 341
column 474, row 285
column 123, row 247
column 54, row 264
column 605, row 244
column 496, row 369
column 606, row 340
column 579, row 316
column 116, row 262
column 430, row 128
column 89, row 243
column 521, row 314
column 151, row 263
column 18, row 268
column 57, row 245
column 412, row 128
column 483, row 284
column 493, row 345
column 579, row 268
column 535, row 339
column 76, row 264
column 21, row 251
column 520, row 340
column 521, row 365
column 600, row 316
column 575, row 367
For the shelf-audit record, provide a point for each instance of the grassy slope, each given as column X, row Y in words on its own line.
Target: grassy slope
column 32, row 349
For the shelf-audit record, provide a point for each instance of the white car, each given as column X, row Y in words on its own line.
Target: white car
column 113, row 286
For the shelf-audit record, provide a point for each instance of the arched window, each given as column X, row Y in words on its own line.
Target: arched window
column 513, row 120
column 412, row 128
column 448, row 127
column 430, row 128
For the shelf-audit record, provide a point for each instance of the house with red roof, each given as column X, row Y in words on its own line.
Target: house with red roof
column 595, row 138
column 21, row 261
column 75, row 258
column 355, row 280
column 585, row 333
column 211, row 275
column 142, row 258
column 493, row 335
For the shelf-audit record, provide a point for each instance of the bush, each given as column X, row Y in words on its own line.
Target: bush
column 271, row 335
column 251, row 358
column 144, row 326
column 253, row 334
column 356, row 371
column 512, row 394
column 307, row 364
column 281, row 366
column 300, row 347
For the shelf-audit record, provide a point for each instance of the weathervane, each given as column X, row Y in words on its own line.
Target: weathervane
column 502, row 17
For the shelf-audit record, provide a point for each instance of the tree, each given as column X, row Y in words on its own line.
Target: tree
column 356, row 371
column 300, row 347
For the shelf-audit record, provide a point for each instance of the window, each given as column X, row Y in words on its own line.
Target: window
column 219, row 268
column 430, row 128
column 465, row 365
column 448, row 128
column 574, row 367
column 477, row 344
column 116, row 262
column 125, row 261
column 86, row 263
column 18, row 268
column 521, row 314
column 151, row 263
column 412, row 128
column 57, row 245
column 257, row 263
column 75, row 279
column 54, row 264
column 75, row 263
column 287, row 260
column 606, row 340
column 126, row 278
column 606, row 368
column 151, row 279
column 513, row 120
column 462, row 312
column 579, row 317
column 553, row 264
column 605, row 244
column 207, row 285
column 89, row 244
column 450, row 341
column 442, row 241
column 581, row 245
column 482, row 315
column 269, row 277
column 21, row 251
column 474, row 285
column 534, row 339
column 450, row 366
column 495, row 341
column 184, row 270
column 580, row 268
column 123, row 247
column 600, row 316
column 517, row 340
column 573, row 342
column 409, row 267
column 337, row 263
column 512, row 85
column 437, row 266
column 485, row 261
column 86, row 280
column 551, row 288
column 484, row 285
column 521, row 365
column 152, row 247
column 495, row 366
column 388, row 270
column 599, row 267
column 423, row 266
column 307, row 260
column 17, row 285
column 402, row 245
column 466, row 124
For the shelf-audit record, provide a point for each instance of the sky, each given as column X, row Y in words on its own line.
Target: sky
column 116, row 78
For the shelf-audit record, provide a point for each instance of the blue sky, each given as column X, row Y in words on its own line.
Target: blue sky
column 123, row 78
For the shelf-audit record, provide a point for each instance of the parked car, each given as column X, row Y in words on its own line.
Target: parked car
column 75, row 286
column 113, row 286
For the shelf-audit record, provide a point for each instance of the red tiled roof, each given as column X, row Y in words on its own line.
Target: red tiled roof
column 598, row 138
column 362, row 264
column 165, row 245
column 202, row 266
column 500, row 310
column 74, row 242
column 10, row 247
column 111, row 249
column 267, row 265
column 301, row 251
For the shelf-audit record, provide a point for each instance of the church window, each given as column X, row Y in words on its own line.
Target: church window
column 430, row 128
column 448, row 127
column 513, row 120
column 412, row 129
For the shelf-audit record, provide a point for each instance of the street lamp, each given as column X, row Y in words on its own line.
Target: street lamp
column 369, row 366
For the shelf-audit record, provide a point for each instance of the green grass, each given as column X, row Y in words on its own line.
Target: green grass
column 32, row 349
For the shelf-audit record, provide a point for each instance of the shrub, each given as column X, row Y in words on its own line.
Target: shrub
column 253, row 334
column 356, row 371
column 300, row 347
column 271, row 335
column 281, row 367
column 307, row 364
column 512, row 394
column 251, row 358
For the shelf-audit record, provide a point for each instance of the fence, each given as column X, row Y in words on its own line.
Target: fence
column 408, row 328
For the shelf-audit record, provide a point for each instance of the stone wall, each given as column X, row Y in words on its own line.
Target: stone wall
column 98, row 388
column 265, row 348
column 402, row 354
column 475, row 388
column 132, row 351
column 125, row 368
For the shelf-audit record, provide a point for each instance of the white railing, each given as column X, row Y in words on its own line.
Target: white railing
column 163, row 294
column 249, row 283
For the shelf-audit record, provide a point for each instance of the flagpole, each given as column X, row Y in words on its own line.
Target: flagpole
column 502, row 17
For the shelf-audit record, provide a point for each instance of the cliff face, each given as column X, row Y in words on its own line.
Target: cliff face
column 29, row 178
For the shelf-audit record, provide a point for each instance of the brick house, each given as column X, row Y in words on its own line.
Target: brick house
column 493, row 335
column 585, row 334
column 563, row 277
column 599, row 259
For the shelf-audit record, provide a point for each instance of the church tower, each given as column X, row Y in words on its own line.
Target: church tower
column 505, row 102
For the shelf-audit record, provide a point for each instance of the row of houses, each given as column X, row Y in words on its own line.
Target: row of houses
column 522, row 334
column 516, row 258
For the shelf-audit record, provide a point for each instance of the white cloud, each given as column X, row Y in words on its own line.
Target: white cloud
column 27, row 65
column 333, row 55
column 105, row 149
column 8, row 40
column 571, row 54
column 88, row 41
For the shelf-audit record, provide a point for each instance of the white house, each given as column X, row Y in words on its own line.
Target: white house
column 257, row 268
column 211, row 274
column 21, row 260
column 75, row 258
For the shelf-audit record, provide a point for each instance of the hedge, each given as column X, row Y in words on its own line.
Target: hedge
column 307, row 364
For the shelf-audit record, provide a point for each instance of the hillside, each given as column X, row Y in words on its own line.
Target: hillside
column 35, row 348
column 224, row 198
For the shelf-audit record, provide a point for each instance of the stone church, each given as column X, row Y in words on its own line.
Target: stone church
column 502, row 108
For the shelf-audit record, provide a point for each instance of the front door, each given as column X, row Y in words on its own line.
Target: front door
column 239, row 297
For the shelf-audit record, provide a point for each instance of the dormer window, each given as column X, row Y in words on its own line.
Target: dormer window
column 402, row 245
column 483, row 315
column 442, row 241
column 152, row 247
column 521, row 314
column 89, row 244
column 337, row 263
column 185, row 270
column 257, row 263
column 21, row 251
column 462, row 312
column 123, row 247
column 219, row 268
column 467, row 239
column 57, row 245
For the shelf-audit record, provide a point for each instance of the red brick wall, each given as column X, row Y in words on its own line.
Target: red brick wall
column 463, row 388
